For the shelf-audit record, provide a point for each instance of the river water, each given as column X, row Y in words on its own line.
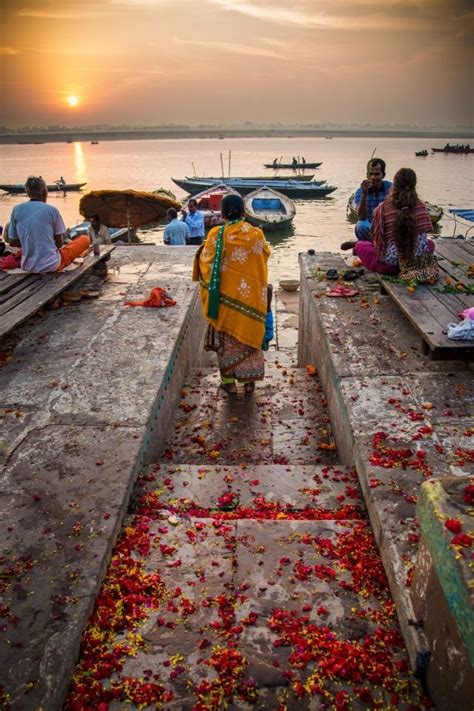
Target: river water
column 446, row 180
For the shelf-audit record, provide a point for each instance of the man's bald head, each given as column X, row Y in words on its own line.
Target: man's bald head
column 36, row 188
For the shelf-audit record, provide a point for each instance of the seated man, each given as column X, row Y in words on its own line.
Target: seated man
column 38, row 229
column 176, row 232
column 98, row 233
column 372, row 192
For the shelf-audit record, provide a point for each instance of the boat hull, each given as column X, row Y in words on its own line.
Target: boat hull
column 265, row 178
column 296, row 190
column 18, row 189
column 453, row 151
column 435, row 212
column 269, row 209
column 116, row 233
column 209, row 203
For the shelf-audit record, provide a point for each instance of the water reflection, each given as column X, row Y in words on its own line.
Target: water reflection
column 278, row 238
column 80, row 164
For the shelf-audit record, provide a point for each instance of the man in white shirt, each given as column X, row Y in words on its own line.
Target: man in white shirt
column 38, row 229
column 98, row 233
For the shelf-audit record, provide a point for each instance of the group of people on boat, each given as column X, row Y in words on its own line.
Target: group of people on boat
column 457, row 148
column 294, row 162
column 391, row 231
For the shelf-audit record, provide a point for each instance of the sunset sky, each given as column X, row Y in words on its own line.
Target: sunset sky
column 228, row 61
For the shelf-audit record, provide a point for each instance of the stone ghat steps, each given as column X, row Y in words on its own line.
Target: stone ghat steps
column 284, row 421
column 246, row 574
column 239, row 614
column 267, row 490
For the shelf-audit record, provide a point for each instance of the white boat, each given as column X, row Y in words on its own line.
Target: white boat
column 435, row 212
column 116, row 233
column 269, row 209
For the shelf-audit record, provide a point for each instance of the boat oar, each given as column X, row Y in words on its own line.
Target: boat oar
column 129, row 238
column 222, row 167
column 230, row 152
column 368, row 162
column 194, row 168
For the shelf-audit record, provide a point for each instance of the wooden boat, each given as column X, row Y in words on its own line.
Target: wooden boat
column 269, row 209
column 209, row 203
column 295, row 189
column 422, row 153
column 18, row 188
column 164, row 193
column 116, row 233
column 292, row 166
column 435, row 212
column 305, row 178
column 463, row 222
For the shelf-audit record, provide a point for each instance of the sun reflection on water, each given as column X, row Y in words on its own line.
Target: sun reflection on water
column 81, row 173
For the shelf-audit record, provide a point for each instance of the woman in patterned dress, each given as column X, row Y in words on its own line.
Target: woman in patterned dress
column 232, row 271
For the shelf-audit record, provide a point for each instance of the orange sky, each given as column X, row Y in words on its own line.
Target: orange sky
column 229, row 61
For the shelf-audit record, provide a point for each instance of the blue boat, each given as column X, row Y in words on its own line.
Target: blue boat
column 295, row 189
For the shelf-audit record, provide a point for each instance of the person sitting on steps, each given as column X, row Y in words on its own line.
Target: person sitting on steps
column 38, row 229
column 400, row 245
column 372, row 192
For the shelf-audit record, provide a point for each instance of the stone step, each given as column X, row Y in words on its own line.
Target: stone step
column 252, row 612
column 284, row 421
column 311, row 489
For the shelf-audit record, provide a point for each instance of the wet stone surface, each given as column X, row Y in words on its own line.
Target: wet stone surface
column 246, row 575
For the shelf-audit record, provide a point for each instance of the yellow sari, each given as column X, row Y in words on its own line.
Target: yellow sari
column 243, row 281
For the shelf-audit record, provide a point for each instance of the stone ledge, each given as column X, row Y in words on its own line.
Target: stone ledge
column 367, row 354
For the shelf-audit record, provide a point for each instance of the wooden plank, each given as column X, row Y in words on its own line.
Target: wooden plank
column 46, row 289
column 456, row 251
column 18, row 292
column 11, row 280
column 430, row 317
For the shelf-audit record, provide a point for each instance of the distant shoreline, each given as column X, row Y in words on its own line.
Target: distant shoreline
column 141, row 135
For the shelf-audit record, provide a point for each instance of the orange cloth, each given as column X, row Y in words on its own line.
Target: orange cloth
column 158, row 297
column 73, row 249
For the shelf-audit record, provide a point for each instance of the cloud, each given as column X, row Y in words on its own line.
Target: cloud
column 232, row 48
column 9, row 51
column 84, row 14
column 408, row 15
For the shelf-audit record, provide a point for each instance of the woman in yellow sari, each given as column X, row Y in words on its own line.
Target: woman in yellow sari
column 232, row 271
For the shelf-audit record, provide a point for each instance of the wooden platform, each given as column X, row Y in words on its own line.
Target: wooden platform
column 21, row 295
column 430, row 310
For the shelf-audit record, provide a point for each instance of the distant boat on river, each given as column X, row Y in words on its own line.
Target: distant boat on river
column 18, row 188
column 457, row 149
column 292, row 166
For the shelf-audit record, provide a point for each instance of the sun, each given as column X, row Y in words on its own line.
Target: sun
column 72, row 101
